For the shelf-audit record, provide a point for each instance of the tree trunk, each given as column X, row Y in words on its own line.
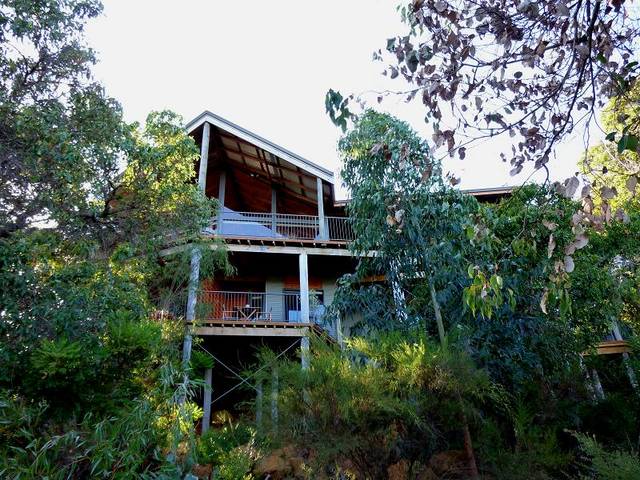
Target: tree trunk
column 438, row 314
column 468, row 444
column 468, row 449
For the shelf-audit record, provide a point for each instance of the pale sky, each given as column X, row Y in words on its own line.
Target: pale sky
column 267, row 65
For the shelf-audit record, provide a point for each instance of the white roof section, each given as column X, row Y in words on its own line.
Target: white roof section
column 278, row 151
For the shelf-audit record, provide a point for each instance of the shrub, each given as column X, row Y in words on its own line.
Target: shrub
column 61, row 364
column 129, row 340
column 613, row 420
column 97, row 374
column 236, row 464
column 218, row 442
column 608, row 465
column 535, row 454
column 377, row 402
column 124, row 446
column 199, row 362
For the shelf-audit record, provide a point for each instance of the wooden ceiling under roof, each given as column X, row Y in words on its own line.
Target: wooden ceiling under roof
column 251, row 172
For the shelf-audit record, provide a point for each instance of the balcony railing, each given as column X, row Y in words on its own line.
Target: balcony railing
column 282, row 226
column 255, row 307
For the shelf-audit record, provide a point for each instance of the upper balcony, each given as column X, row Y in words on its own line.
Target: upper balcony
column 265, row 191
column 281, row 226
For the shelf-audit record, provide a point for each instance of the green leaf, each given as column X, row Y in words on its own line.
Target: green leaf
column 412, row 62
column 391, row 44
column 628, row 142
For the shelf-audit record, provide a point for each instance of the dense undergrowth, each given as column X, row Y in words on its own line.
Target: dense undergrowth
column 476, row 350
column 395, row 404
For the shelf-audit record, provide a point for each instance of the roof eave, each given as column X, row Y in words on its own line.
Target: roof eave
column 263, row 143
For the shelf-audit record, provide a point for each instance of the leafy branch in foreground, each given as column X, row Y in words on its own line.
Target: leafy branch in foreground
column 532, row 70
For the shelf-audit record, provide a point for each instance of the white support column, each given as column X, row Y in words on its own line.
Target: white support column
column 190, row 314
column 321, row 220
column 204, row 157
column 625, row 359
column 206, row 417
column 304, row 352
column 222, row 188
column 597, row 385
column 304, row 287
column 194, row 278
column 273, row 209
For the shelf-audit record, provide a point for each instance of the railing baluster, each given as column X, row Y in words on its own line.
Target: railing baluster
column 299, row 227
column 238, row 306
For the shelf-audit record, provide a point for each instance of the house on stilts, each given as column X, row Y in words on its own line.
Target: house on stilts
column 287, row 238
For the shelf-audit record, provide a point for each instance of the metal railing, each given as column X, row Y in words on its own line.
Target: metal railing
column 282, row 226
column 218, row 305
column 339, row 229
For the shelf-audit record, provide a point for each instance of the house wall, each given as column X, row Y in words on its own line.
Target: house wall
column 329, row 286
column 275, row 285
column 275, row 305
column 273, row 273
column 348, row 323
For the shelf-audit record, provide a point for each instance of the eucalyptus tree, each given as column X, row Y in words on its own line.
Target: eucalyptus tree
column 403, row 211
column 410, row 223
column 532, row 72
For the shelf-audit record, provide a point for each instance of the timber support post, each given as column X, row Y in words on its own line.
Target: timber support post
column 274, row 209
column 304, row 287
column 222, row 188
column 259, row 404
column 322, row 226
column 304, row 352
column 206, row 417
column 192, row 298
column 194, row 272
column 204, row 157
column 274, row 399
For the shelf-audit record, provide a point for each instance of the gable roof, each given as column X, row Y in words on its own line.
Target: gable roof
column 263, row 143
column 254, row 156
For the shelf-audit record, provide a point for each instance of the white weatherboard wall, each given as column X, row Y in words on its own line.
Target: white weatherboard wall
column 329, row 287
column 275, row 303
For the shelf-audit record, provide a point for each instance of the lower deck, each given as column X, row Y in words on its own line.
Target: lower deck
column 271, row 294
column 255, row 329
